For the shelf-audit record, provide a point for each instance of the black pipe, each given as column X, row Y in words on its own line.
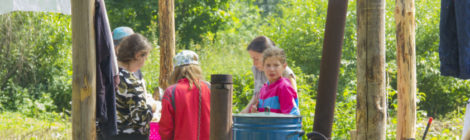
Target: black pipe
column 427, row 128
column 331, row 56
column 221, row 107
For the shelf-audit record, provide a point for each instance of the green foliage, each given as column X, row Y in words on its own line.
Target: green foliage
column 442, row 95
column 140, row 15
column 268, row 7
column 36, row 61
column 242, row 91
column 137, row 15
column 306, row 91
column 18, row 126
column 193, row 18
column 299, row 29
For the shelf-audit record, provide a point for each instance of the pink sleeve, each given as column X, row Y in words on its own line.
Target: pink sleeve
column 287, row 96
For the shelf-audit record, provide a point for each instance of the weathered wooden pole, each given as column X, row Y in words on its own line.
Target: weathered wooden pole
column 166, row 39
column 371, row 98
column 221, row 107
column 353, row 134
column 84, row 70
column 406, row 60
column 329, row 68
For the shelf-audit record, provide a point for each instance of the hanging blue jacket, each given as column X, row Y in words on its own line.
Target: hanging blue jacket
column 454, row 45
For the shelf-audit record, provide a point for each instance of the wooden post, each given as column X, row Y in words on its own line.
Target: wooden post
column 84, row 70
column 353, row 134
column 221, row 107
column 406, row 59
column 166, row 19
column 371, row 99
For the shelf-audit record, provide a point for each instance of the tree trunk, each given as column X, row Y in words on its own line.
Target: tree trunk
column 166, row 18
column 371, row 99
column 84, row 70
column 406, row 59
column 353, row 134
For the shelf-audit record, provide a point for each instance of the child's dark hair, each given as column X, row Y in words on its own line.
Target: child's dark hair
column 260, row 43
column 275, row 52
column 130, row 46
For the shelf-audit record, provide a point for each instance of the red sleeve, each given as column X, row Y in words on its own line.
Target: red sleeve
column 287, row 97
column 166, row 122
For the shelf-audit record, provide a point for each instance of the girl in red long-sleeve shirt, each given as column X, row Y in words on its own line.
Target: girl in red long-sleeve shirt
column 186, row 103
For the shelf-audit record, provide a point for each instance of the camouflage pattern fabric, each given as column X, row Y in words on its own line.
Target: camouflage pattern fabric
column 133, row 113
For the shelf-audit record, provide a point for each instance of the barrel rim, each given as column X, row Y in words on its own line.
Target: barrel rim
column 256, row 116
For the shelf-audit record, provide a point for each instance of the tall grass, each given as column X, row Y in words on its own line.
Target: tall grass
column 17, row 126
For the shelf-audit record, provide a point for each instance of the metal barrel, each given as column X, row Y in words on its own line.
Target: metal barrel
column 248, row 127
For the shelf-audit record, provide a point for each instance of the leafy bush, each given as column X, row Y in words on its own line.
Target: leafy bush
column 193, row 18
column 442, row 95
column 36, row 61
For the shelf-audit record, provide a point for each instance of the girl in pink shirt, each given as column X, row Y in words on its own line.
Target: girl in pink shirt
column 277, row 93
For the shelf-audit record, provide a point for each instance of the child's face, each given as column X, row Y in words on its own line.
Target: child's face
column 140, row 58
column 273, row 68
column 257, row 59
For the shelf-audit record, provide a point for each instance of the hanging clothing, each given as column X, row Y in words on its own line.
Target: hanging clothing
column 107, row 72
column 280, row 96
column 185, row 112
column 454, row 45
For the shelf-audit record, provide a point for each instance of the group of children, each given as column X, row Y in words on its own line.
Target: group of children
column 185, row 105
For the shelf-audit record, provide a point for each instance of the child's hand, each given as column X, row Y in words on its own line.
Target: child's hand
column 249, row 108
column 254, row 108
column 153, row 107
column 246, row 110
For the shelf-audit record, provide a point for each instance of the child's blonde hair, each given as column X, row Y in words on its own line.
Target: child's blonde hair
column 192, row 72
column 274, row 52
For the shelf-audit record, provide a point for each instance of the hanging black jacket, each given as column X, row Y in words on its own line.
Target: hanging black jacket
column 105, row 88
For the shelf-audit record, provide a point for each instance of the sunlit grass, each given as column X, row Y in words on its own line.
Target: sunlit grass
column 16, row 126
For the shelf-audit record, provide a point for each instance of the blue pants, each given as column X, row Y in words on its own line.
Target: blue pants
column 454, row 45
